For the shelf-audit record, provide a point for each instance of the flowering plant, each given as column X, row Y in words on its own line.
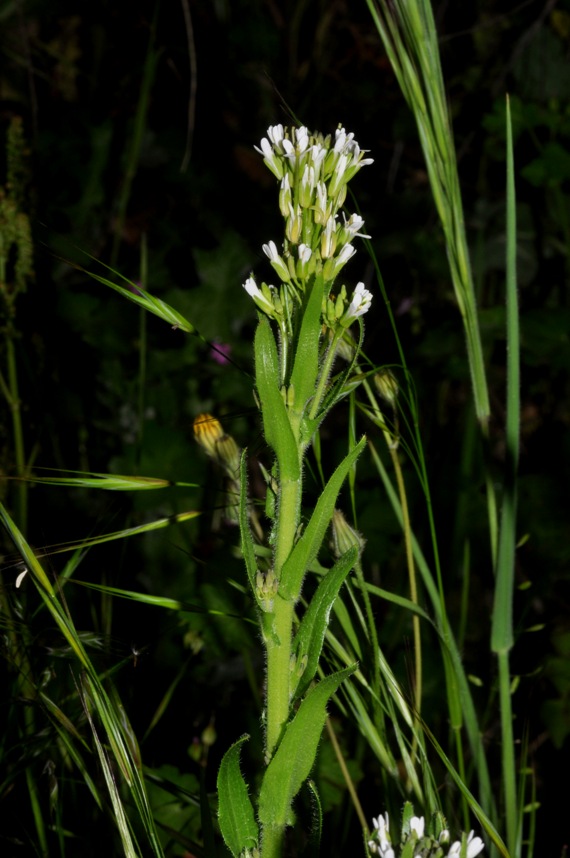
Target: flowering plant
column 302, row 327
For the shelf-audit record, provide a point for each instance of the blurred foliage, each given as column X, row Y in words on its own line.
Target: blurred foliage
column 104, row 390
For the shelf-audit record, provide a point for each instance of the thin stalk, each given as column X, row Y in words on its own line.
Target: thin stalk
column 12, row 396
column 392, row 442
column 25, row 691
column 324, row 374
column 407, row 30
column 502, row 636
column 133, row 152
column 347, row 779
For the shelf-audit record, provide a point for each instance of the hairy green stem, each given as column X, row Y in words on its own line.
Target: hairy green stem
column 279, row 647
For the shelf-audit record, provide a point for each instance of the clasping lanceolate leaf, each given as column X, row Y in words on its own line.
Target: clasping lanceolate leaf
column 310, row 542
column 235, row 810
column 294, row 758
column 309, row 639
column 278, row 432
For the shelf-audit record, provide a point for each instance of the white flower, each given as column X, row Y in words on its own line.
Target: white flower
column 328, row 238
column 383, row 847
column 337, row 178
column 382, row 825
column 343, row 141
column 345, row 254
column 270, row 250
column 294, row 224
column 255, row 292
column 322, row 207
column 417, row 823
column 307, row 186
column 275, row 134
column 302, row 138
column 474, row 846
column 270, row 157
column 317, row 156
column 353, row 226
column 277, row 261
column 304, row 252
column 285, row 195
column 360, row 304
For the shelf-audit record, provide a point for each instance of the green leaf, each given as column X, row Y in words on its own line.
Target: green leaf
column 292, row 762
column 110, row 482
column 309, row 639
column 148, row 302
column 308, row 546
column 278, row 432
column 306, row 366
column 235, row 810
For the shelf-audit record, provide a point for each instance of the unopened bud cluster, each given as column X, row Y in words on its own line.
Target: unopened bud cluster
column 313, row 172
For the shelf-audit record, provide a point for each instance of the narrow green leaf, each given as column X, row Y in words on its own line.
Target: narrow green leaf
column 120, row 534
column 278, row 432
column 502, row 636
column 309, row 639
column 306, row 366
column 157, row 601
column 109, row 482
column 292, row 762
column 119, row 811
column 308, row 546
column 145, row 300
column 75, row 755
column 235, row 810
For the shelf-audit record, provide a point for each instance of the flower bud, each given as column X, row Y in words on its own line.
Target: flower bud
column 386, row 385
column 345, row 536
column 220, row 447
column 277, row 261
column 294, row 225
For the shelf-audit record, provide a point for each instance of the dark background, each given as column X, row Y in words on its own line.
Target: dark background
column 202, row 203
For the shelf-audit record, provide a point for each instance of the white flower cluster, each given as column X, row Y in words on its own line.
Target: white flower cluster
column 381, row 844
column 313, row 172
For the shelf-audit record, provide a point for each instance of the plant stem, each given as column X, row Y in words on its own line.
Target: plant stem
column 11, row 394
column 279, row 647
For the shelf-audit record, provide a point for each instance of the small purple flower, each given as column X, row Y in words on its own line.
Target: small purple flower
column 220, row 352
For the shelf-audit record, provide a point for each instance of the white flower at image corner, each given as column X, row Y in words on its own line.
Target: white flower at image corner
column 255, row 292
column 474, row 846
column 417, row 823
